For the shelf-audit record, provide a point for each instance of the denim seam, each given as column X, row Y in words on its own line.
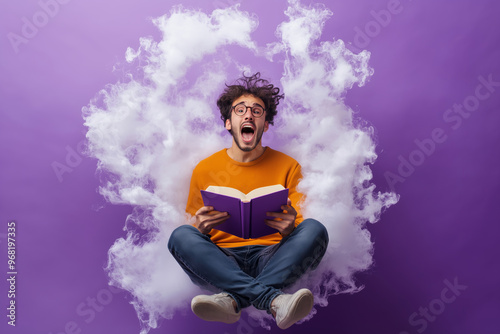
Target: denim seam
column 238, row 304
column 270, row 300
column 266, row 304
column 246, row 259
column 269, row 260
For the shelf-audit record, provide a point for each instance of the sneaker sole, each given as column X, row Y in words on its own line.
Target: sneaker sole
column 209, row 311
column 302, row 303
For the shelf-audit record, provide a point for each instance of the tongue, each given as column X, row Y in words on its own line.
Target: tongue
column 247, row 136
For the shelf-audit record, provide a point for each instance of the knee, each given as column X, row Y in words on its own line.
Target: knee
column 181, row 236
column 315, row 230
column 318, row 236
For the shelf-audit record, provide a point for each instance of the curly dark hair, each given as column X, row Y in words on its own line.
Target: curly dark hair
column 255, row 86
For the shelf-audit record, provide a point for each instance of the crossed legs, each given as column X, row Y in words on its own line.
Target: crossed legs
column 251, row 275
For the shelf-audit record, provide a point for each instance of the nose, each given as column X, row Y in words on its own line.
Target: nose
column 248, row 113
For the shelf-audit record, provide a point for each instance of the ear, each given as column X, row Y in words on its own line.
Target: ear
column 266, row 126
column 228, row 124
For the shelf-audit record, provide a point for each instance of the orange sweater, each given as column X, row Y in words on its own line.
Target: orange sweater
column 272, row 167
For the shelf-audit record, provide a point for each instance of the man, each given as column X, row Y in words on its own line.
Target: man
column 248, row 271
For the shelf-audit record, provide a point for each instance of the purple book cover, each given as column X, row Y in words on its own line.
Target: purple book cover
column 247, row 219
column 259, row 207
column 228, row 204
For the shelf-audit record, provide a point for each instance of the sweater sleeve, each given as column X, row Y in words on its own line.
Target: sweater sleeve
column 194, row 202
column 293, row 179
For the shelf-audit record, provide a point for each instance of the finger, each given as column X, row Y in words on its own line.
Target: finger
column 214, row 212
column 211, row 223
column 287, row 207
column 204, row 209
column 277, row 214
column 282, row 216
column 279, row 224
column 283, row 228
column 214, row 216
column 289, row 210
column 274, row 224
column 219, row 221
column 288, row 201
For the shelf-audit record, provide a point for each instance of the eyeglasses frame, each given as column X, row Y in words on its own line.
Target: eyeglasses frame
column 246, row 108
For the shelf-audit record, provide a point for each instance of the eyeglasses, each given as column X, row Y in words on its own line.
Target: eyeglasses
column 241, row 109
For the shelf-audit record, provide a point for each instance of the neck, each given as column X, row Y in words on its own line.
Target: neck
column 236, row 154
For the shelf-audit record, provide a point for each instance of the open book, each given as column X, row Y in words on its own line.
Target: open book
column 247, row 211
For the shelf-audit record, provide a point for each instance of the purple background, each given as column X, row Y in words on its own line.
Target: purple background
column 445, row 226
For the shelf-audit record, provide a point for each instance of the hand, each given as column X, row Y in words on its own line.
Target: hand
column 207, row 219
column 284, row 221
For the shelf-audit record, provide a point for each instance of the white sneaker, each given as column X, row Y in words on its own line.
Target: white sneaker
column 217, row 307
column 291, row 308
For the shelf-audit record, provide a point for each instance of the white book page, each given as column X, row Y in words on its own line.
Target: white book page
column 228, row 191
column 231, row 192
column 264, row 191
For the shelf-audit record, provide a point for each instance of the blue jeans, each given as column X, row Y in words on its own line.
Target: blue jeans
column 252, row 275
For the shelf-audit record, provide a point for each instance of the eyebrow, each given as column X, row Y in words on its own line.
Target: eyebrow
column 243, row 103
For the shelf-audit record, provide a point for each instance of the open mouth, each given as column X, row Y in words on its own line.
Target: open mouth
column 247, row 133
